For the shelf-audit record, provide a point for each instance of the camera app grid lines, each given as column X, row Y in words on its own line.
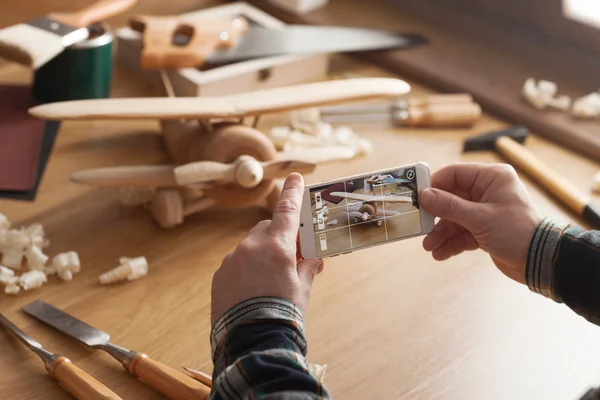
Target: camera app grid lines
column 366, row 211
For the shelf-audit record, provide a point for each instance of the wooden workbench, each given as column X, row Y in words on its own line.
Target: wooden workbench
column 390, row 322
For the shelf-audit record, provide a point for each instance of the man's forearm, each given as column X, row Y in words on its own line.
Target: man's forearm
column 259, row 352
column 564, row 264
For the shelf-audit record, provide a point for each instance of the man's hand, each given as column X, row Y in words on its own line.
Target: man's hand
column 264, row 264
column 481, row 206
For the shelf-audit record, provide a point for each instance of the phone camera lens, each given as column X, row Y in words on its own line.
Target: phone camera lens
column 301, row 225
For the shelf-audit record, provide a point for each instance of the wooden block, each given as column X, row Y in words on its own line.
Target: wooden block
column 300, row 6
column 240, row 77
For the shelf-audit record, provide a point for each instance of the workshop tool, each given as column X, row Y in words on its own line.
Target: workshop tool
column 166, row 380
column 200, row 376
column 38, row 41
column 82, row 71
column 301, row 39
column 241, row 162
column 437, row 110
column 509, row 142
column 175, row 42
column 70, row 377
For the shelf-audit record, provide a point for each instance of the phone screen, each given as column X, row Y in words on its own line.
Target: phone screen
column 365, row 211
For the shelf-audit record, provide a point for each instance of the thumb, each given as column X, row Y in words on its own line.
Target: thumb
column 448, row 206
column 307, row 270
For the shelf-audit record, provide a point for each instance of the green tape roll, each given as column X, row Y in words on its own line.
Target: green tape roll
column 81, row 71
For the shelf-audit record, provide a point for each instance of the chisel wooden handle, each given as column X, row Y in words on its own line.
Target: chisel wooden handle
column 96, row 12
column 78, row 383
column 442, row 114
column 520, row 157
column 439, row 99
column 171, row 383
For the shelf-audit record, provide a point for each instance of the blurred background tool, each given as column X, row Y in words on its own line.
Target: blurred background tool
column 39, row 41
column 438, row 110
column 200, row 376
column 509, row 143
column 261, row 42
column 71, row 378
column 82, row 71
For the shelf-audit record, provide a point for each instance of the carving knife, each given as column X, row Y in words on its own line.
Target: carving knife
column 168, row 381
column 71, row 378
column 38, row 41
column 261, row 42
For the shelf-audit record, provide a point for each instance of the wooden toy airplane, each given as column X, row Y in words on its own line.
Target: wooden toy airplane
column 387, row 178
column 216, row 159
column 366, row 208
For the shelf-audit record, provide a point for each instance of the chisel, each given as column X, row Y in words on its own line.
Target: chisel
column 168, row 381
column 71, row 378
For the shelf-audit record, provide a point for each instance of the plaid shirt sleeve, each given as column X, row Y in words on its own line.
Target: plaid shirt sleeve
column 564, row 264
column 259, row 350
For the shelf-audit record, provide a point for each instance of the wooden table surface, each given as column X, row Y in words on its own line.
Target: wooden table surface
column 390, row 322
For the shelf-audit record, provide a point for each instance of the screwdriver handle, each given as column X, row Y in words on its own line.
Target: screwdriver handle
column 78, row 383
column 171, row 383
column 453, row 98
column 440, row 115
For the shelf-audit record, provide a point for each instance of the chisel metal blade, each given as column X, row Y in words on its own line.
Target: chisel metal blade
column 67, row 324
column 23, row 337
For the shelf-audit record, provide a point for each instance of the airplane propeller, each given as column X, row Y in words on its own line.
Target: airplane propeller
column 246, row 171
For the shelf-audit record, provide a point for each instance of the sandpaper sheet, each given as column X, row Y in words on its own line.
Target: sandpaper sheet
column 50, row 132
column 25, row 144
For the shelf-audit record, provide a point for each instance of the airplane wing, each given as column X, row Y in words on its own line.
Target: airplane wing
column 237, row 105
column 372, row 199
column 136, row 108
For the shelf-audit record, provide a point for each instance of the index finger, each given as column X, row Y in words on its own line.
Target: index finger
column 286, row 216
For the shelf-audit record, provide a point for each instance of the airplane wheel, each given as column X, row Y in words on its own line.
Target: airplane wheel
column 167, row 208
column 229, row 142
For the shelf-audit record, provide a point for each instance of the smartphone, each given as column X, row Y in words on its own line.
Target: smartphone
column 363, row 211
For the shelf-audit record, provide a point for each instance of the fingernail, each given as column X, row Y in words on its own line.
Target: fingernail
column 295, row 179
column 427, row 198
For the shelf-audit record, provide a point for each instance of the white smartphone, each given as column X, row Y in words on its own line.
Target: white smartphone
column 363, row 211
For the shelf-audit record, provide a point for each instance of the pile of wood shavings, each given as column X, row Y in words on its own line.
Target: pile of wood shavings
column 324, row 143
column 23, row 247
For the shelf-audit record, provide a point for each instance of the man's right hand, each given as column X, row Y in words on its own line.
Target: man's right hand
column 481, row 206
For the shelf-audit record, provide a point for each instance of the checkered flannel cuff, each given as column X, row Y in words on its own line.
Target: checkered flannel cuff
column 540, row 259
column 259, row 308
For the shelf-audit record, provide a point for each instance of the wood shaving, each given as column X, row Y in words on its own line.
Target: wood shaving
column 308, row 132
column 32, row 280
column 543, row 94
column 66, row 265
column 318, row 371
column 587, row 106
column 130, row 269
